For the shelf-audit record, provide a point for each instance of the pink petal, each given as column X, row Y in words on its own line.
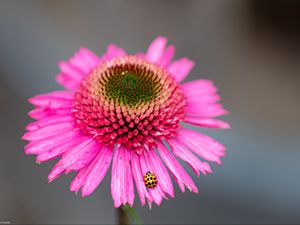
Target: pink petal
column 122, row 189
column 138, row 178
column 40, row 113
column 59, row 149
column 53, row 103
column 156, row 193
column 45, row 145
column 48, row 131
column 97, row 170
column 204, row 146
column 156, row 49
column 81, row 176
column 47, row 121
column 117, row 179
column 183, row 153
column 181, row 68
column 129, row 185
column 76, row 68
column 167, row 56
column 199, row 87
column 90, row 58
column 210, row 123
column 56, row 171
column 67, row 82
column 81, row 62
column 181, row 177
column 163, row 178
column 71, row 71
column 205, row 110
column 201, row 99
column 113, row 51
column 75, row 156
column 159, row 53
column 66, row 95
column 140, row 55
column 81, row 155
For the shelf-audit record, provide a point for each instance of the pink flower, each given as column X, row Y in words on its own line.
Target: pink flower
column 123, row 110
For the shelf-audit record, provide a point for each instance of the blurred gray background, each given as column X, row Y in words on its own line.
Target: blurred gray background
column 250, row 49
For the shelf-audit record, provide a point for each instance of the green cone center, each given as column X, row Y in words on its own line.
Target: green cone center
column 131, row 85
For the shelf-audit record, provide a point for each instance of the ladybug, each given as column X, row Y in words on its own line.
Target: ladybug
column 150, row 180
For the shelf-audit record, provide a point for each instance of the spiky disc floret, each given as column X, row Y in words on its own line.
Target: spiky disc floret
column 129, row 101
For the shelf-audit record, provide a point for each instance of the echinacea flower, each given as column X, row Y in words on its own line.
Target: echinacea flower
column 124, row 110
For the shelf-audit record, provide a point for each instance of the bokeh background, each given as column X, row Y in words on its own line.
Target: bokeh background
column 251, row 49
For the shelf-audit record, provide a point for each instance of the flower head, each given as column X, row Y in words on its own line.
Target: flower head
column 125, row 109
column 129, row 101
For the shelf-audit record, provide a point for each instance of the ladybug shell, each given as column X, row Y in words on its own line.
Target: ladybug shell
column 150, row 179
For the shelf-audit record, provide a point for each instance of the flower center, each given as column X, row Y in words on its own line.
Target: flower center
column 131, row 85
column 129, row 101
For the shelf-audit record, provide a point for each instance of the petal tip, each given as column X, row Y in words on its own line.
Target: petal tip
column 225, row 125
column 195, row 190
column 85, row 193
column 25, row 136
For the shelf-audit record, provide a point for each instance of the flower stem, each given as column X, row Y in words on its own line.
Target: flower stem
column 122, row 216
column 127, row 214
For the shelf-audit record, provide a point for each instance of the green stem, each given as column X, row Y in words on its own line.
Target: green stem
column 122, row 217
column 127, row 213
